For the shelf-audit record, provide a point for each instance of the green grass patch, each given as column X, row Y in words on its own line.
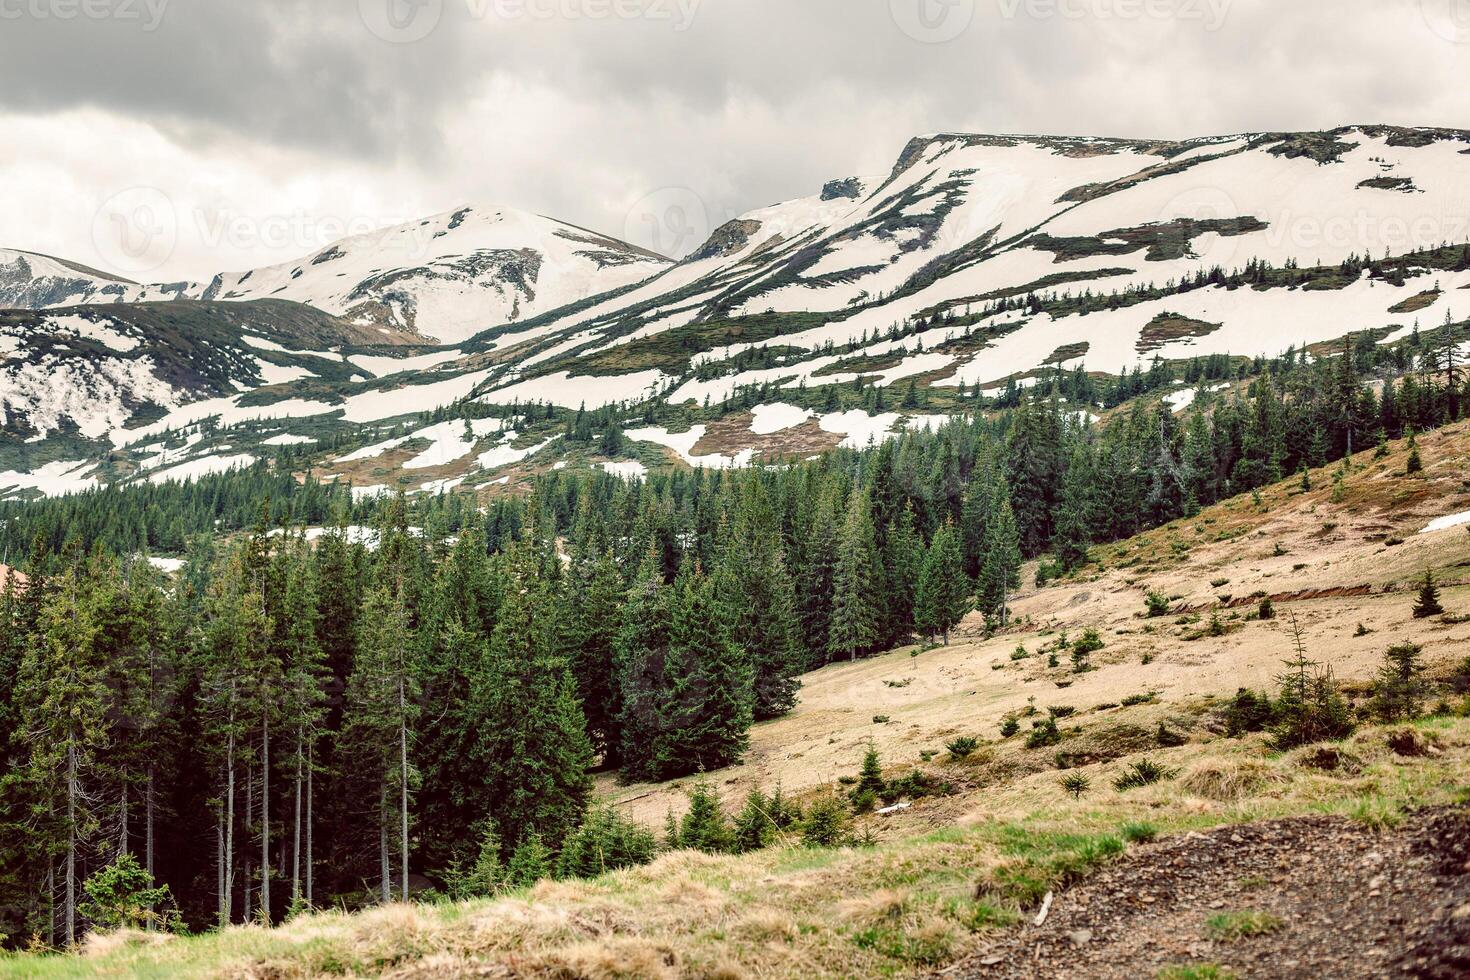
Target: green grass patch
column 1230, row 926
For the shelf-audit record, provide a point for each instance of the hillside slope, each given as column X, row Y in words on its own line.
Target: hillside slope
column 955, row 879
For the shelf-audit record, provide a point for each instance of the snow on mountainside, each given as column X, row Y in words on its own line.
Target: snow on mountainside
column 976, row 263
column 451, row 276
column 29, row 280
column 1010, row 241
column 446, row 277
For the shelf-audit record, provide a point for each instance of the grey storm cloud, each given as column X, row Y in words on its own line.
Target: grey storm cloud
column 581, row 108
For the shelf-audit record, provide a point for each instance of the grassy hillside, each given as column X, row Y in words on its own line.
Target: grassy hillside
column 960, row 871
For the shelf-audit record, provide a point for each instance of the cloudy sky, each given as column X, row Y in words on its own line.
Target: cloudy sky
column 257, row 131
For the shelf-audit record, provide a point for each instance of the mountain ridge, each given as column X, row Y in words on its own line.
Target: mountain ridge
column 979, row 264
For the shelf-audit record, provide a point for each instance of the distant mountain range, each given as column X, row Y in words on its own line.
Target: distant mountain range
column 976, row 262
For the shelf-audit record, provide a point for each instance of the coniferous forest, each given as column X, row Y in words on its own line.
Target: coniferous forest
column 415, row 694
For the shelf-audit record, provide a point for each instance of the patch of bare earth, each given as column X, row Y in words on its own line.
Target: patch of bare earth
column 1330, row 896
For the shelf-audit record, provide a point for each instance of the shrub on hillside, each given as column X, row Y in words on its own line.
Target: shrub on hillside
column 1248, row 712
column 963, row 746
column 1043, row 733
column 1075, row 784
column 704, row 827
column 827, row 823
column 1400, row 691
column 1144, row 772
column 606, row 841
column 1428, row 603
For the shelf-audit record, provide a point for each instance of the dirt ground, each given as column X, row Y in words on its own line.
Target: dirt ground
column 1342, row 570
column 1337, row 898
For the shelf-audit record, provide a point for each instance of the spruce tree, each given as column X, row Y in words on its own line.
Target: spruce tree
column 63, row 717
column 854, row 625
column 704, row 827
column 817, row 579
column 1000, row 572
column 234, row 648
column 1074, row 518
column 593, row 614
column 642, row 649
column 1428, row 603
column 758, row 594
column 903, row 558
column 707, row 697
column 529, row 863
column 754, row 827
column 944, row 592
column 533, row 743
column 1400, row 690
column 382, row 708
column 304, row 704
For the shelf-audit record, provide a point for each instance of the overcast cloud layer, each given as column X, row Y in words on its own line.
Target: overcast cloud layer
column 264, row 129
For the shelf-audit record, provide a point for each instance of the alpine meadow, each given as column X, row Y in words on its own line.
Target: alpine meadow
column 1006, row 556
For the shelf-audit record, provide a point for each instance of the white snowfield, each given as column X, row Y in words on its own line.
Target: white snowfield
column 1440, row 524
column 859, row 428
column 203, row 466
column 52, row 480
column 579, row 392
column 683, row 443
column 769, row 419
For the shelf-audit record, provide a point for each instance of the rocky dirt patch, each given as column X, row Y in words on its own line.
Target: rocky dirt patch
column 1302, row 898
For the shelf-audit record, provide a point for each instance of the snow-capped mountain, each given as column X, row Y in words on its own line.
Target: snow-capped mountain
column 964, row 222
column 29, row 280
column 974, row 263
column 446, row 277
column 451, row 276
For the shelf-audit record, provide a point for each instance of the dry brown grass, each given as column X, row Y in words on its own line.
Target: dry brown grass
column 101, row 944
column 1228, row 779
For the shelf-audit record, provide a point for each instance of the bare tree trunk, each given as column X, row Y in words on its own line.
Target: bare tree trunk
column 403, row 785
column 228, row 892
column 122, row 823
column 309, row 788
column 148, row 792
column 51, row 902
column 248, row 873
column 296, row 827
column 222, row 913
column 265, row 818
column 385, row 889
column 71, row 844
